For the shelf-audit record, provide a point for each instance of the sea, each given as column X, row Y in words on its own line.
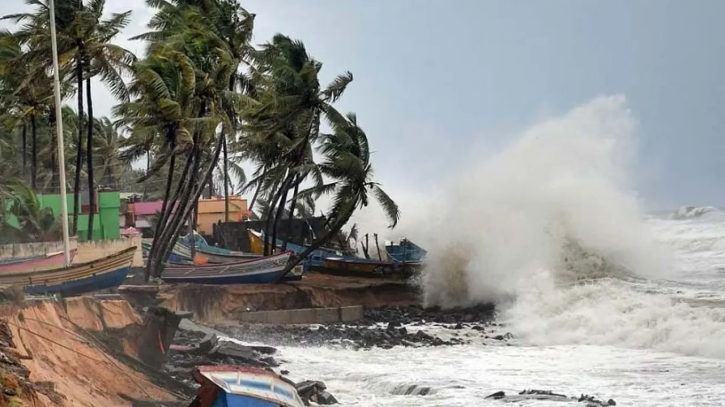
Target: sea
column 639, row 341
column 602, row 296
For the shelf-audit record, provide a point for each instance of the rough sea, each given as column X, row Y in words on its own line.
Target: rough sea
column 640, row 341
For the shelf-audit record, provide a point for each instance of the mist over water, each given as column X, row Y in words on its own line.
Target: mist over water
column 550, row 230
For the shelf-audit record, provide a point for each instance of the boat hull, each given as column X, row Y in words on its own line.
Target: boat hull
column 259, row 271
column 104, row 273
column 83, row 285
column 345, row 266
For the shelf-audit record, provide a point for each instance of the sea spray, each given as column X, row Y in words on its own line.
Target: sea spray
column 563, row 183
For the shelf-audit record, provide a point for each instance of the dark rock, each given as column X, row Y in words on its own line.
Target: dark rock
column 458, row 326
column 478, row 328
column 611, row 402
column 284, row 372
column 325, row 398
column 496, row 396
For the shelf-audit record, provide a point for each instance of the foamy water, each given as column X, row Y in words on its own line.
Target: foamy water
column 629, row 341
column 602, row 299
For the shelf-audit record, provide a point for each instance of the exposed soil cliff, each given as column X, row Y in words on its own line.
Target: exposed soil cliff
column 217, row 304
column 57, row 344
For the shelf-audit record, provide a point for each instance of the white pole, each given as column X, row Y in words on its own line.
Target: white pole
column 59, row 130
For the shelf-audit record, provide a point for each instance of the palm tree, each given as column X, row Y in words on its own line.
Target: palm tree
column 83, row 40
column 100, row 57
column 347, row 163
column 287, row 123
column 108, row 143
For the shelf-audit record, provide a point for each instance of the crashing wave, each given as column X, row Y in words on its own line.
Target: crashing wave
column 689, row 212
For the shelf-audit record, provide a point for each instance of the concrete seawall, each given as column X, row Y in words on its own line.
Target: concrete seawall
column 304, row 316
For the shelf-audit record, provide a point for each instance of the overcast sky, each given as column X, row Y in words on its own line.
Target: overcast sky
column 441, row 83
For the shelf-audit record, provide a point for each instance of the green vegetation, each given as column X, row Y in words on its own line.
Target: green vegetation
column 201, row 101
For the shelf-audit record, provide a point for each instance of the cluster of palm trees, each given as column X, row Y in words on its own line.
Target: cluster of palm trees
column 200, row 101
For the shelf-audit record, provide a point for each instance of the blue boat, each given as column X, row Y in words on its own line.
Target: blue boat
column 405, row 252
column 240, row 386
column 265, row 270
column 101, row 274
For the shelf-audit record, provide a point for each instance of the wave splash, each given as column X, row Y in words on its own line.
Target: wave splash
column 549, row 229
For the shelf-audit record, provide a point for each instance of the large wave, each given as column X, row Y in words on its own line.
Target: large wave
column 550, row 229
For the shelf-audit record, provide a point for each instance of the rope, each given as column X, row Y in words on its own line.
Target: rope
column 52, row 341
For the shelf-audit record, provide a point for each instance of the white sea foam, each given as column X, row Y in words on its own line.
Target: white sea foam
column 551, row 231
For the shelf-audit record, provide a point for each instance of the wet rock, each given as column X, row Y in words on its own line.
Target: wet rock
column 314, row 391
column 325, row 398
column 496, row 396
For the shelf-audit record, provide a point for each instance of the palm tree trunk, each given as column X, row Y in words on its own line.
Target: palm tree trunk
column 89, row 160
column 34, row 168
column 280, row 212
column 226, row 179
column 169, row 179
column 290, row 218
column 79, row 149
column 54, row 176
column 165, row 217
column 336, row 227
column 194, row 197
column 25, row 148
column 270, row 216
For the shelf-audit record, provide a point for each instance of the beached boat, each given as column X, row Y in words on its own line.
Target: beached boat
column 357, row 267
column 264, row 270
column 294, row 275
column 35, row 263
column 239, row 386
column 104, row 273
column 405, row 251
column 214, row 254
column 314, row 260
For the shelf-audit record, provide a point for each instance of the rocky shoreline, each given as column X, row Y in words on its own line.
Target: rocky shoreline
column 386, row 327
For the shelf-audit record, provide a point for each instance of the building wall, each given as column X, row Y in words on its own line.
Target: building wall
column 211, row 211
column 106, row 225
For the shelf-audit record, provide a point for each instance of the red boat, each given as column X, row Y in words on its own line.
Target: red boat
column 45, row 262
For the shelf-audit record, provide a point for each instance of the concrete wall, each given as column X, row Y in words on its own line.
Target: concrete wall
column 304, row 316
column 87, row 251
column 33, row 249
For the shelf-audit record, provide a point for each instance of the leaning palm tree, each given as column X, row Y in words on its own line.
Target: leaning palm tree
column 347, row 164
column 282, row 131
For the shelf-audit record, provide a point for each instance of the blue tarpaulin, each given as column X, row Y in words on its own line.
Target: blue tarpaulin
column 235, row 400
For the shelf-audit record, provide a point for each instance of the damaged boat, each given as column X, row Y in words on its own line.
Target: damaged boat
column 238, row 386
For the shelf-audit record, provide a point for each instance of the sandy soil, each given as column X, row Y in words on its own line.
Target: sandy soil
column 82, row 373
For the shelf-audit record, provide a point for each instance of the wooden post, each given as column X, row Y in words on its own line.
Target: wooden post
column 380, row 257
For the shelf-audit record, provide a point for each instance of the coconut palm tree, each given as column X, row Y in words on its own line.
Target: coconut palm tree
column 287, row 123
column 347, row 164
column 83, row 39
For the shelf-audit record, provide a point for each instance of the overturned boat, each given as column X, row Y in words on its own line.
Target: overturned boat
column 239, row 386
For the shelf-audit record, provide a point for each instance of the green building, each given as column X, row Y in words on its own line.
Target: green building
column 106, row 222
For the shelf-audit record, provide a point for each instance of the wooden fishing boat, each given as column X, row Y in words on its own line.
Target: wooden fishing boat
column 357, row 267
column 218, row 255
column 314, row 260
column 264, row 270
column 405, row 251
column 36, row 263
column 240, row 386
column 104, row 273
column 294, row 275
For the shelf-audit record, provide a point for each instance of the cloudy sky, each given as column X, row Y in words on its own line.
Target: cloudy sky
column 440, row 84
